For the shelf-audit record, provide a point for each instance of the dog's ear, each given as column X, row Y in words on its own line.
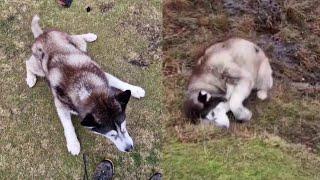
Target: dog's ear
column 89, row 121
column 203, row 97
column 123, row 98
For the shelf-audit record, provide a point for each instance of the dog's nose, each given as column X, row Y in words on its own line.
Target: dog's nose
column 129, row 148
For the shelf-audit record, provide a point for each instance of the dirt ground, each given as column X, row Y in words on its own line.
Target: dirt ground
column 288, row 31
column 128, row 46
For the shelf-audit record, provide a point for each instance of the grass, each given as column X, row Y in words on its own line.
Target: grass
column 32, row 140
column 236, row 158
column 282, row 139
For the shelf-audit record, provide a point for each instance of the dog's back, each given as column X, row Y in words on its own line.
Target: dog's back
column 219, row 58
column 243, row 53
column 75, row 76
column 71, row 73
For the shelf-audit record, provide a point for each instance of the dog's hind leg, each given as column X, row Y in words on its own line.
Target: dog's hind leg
column 34, row 68
column 264, row 81
column 136, row 91
column 240, row 93
column 64, row 114
column 80, row 41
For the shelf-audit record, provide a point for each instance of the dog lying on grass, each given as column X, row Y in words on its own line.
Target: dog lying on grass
column 79, row 86
column 224, row 77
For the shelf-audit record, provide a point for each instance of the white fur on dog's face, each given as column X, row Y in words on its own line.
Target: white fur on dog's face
column 121, row 138
column 219, row 115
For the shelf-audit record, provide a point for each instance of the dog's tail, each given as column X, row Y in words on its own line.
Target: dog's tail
column 265, row 79
column 35, row 27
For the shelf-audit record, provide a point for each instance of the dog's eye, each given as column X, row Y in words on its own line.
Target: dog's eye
column 113, row 135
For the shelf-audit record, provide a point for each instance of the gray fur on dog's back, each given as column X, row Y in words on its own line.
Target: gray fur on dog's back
column 71, row 73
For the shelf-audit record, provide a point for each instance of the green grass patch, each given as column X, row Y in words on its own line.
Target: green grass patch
column 235, row 158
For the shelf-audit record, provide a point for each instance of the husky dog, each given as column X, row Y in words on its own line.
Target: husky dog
column 224, row 77
column 79, row 86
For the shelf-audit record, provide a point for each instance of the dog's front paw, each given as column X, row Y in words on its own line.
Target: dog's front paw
column 243, row 114
column 90, row 37
column 73, row 147
column 219, row 118
column 31, row 80
column 222, row 121
column 137, row 92
column 262, row 94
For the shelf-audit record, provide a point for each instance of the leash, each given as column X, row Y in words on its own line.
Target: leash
column 85, row 162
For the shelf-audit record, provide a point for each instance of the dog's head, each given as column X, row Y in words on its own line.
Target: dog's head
column 108, row 118
column 204, row 106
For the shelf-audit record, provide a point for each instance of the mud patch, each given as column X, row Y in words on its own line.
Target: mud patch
column 151, row 31
column 137, row 60
column 106, row 7
column 290, row 61
column 267, row 13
